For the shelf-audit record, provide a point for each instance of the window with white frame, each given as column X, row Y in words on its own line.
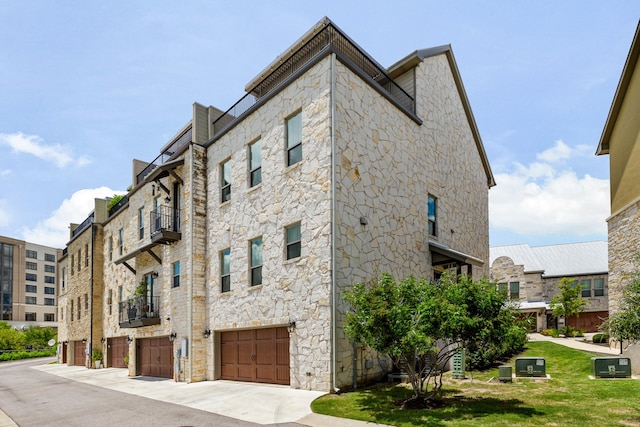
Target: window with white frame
column 176, row 274
column 585, row 285
column 514, row 291
column 141, row 223
column 255, row 163
column 225, row 270
column 225, row 181
column 598, row 287
column 294, row 139
column 31, row 266
column 293, row 241
column 256, row 261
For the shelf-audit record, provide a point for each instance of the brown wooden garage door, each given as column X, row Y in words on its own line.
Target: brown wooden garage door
column 155, row 357
column 79, row 356
column 588, row 322
column 117, row 349
column 257, row 355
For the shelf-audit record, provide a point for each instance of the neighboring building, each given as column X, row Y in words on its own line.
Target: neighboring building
column 229, row 256
column 28, row 290
column 81, row 296
column 621, row 141
column 531, row 274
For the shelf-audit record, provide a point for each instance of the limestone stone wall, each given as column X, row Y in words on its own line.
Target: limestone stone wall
column 295, row 290
column 624, row 241
column 386, row 166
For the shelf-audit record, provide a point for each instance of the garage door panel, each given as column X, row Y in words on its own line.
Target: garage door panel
column 156, row 357
column 258, row 355
column 79, row 356
column 117, row 349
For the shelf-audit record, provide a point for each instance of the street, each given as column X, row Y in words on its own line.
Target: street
column 33, row 398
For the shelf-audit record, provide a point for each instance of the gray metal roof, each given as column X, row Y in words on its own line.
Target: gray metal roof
column 571, row 259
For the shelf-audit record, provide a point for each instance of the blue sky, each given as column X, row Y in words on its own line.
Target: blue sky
column 85, row 87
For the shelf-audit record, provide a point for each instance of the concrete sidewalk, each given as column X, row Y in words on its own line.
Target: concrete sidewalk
column 579, row 344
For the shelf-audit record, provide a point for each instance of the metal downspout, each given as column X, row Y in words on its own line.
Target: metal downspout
column 333, row 225
column 191, row 275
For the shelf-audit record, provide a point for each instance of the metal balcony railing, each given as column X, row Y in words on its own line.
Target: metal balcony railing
column 139, row 311
column 79, row 229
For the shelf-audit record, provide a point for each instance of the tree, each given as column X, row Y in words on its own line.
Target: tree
column 569, row 301
column 10, row 339
column 420, row 325
column 624, row 324
column 38, row 337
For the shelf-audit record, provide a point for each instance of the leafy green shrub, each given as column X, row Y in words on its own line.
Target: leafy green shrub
column 18, row 355
column 601, row 338
column 569, row 331
column 552, row 332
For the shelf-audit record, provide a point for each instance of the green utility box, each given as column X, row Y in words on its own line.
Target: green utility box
column 504, row 373
column 457, row 364
column 531, row 367
column 611, row 367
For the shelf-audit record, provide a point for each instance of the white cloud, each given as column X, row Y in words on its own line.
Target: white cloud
column 54, row 231
column 5, row 172
column 4, row 213
column 538, row 199
column 60, row 155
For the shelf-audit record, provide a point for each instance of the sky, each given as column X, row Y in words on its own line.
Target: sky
column 86, row 87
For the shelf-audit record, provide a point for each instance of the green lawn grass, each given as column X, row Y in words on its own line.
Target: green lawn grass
column 569, row 398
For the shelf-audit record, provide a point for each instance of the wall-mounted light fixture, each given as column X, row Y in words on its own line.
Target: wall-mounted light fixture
column 206, row 333
column 173, row 336
column 364, row 220
column 154, row 274
column 84, row 340
column 102, row 340
column 291, row 326
column 129, row 338
column 167, row 199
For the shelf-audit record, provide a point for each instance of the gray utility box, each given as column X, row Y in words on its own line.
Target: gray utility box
column 458, row 368
column 504, row 373
column 531, row 367
column 611, row 367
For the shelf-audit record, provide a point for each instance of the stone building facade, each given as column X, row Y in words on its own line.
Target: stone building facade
column 530, row 275
column 330, row 171
column 620, row 141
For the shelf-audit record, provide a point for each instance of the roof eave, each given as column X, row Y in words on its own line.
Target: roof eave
column 621, row 91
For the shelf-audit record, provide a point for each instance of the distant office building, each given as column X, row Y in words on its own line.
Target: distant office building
column 28, row 275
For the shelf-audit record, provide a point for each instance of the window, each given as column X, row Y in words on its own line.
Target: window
column 502, row 287
column 32, row 266
column 71, row 310
column 225, row 181
column 598, row 287
column 120, row 240
column 293, row 241
column 256, row 261
column 49, row 279
column 30, row 317
column 50, row 257
column 86, row 255
column 294, row 139
column 64, row 276
column 255, row 163
column 32, row 277
column 49, row 268
column 225, row 270
column 72, row 264
column 30, row 300
column 49, row 317
column 78, row 259
column 110, row 300
column 110, row 248
column 32, row 254
column 49, row 290
column 514, row 290
column 61, row 313
column 86, row 302
column 31, row 289
column 176, row 274
column 141, row 223
column 120, row 294
column 586, row 288
column 78, row 308
column 432, row 215
column 49, row 301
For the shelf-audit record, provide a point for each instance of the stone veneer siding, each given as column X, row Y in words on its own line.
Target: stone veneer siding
column 298, row 289
column 624, row 241
column 387, row 165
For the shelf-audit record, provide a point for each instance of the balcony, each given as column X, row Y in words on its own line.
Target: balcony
column 139, row 311
column 165, row 225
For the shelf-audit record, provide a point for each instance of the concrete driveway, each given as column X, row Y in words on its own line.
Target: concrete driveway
column 263, row 403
